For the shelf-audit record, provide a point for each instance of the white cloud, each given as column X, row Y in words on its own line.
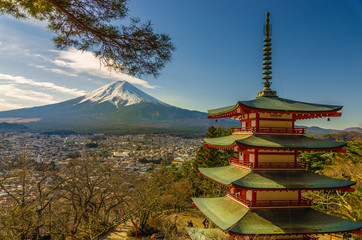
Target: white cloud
column 13, row 97
column 46, row 85
column 55, row 70
column 27, row 53
column 5, row 105
column 86, row 62
column 12, row 91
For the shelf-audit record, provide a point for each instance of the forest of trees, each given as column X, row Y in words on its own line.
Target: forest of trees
column 83, row 199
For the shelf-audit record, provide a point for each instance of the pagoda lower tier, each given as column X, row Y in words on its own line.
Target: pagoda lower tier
column 235, row 177
column 260, row 189
column 243, row 222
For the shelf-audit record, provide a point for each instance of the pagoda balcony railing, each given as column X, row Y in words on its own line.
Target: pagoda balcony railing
column 282, row 203
column 269, row 130
column 272, row 203
column 243, row 130
column 251, row 165
column 236, row 161
column 240, row 199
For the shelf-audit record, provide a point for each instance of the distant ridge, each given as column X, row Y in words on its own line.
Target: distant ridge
column 354, row 129
column 342, row 136
column 318, row 132
column 4, row 126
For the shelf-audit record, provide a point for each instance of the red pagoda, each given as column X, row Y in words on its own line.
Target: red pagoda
column 264, row 185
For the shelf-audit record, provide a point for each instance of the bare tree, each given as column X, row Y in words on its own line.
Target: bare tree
column 92, row 193
column 27, row 196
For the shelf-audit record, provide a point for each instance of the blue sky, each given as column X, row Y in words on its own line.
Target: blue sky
column 317, row 51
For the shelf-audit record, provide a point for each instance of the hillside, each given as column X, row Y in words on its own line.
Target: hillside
column 342, row 136
column 4, row 126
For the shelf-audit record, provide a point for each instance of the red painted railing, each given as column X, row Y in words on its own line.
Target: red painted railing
column 272, row 203
column 281, row 130
column 269, row 130
column 281, row 203
column 240, row 199
column 243, row 130
column 236, row 161
column 281, row 165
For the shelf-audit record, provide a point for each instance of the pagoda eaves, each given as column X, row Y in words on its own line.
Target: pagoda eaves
column 235, row 176
column 281, row 142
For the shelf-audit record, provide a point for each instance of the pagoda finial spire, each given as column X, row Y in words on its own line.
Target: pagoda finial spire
column 267, row 25
column 267, row 60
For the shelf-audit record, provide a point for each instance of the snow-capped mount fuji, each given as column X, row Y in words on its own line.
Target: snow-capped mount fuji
column 117, row 105
column 119, row 93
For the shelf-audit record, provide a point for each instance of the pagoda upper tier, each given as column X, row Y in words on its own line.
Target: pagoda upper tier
column 276, row 105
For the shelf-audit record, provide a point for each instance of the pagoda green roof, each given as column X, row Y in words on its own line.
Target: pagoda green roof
column 236, row 218
column 269, row 103
column 272, row 180
column 226, row 141
column 223, row 211
column 273, row 141
column 291, row 180
column 225, row 175
column 291, row 221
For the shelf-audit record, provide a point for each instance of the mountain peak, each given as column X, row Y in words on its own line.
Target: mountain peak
column 119, row 93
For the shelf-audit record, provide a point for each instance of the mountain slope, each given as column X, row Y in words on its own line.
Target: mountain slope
column 115, row 105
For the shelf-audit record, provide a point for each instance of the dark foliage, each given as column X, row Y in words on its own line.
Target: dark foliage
column 91, row 145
